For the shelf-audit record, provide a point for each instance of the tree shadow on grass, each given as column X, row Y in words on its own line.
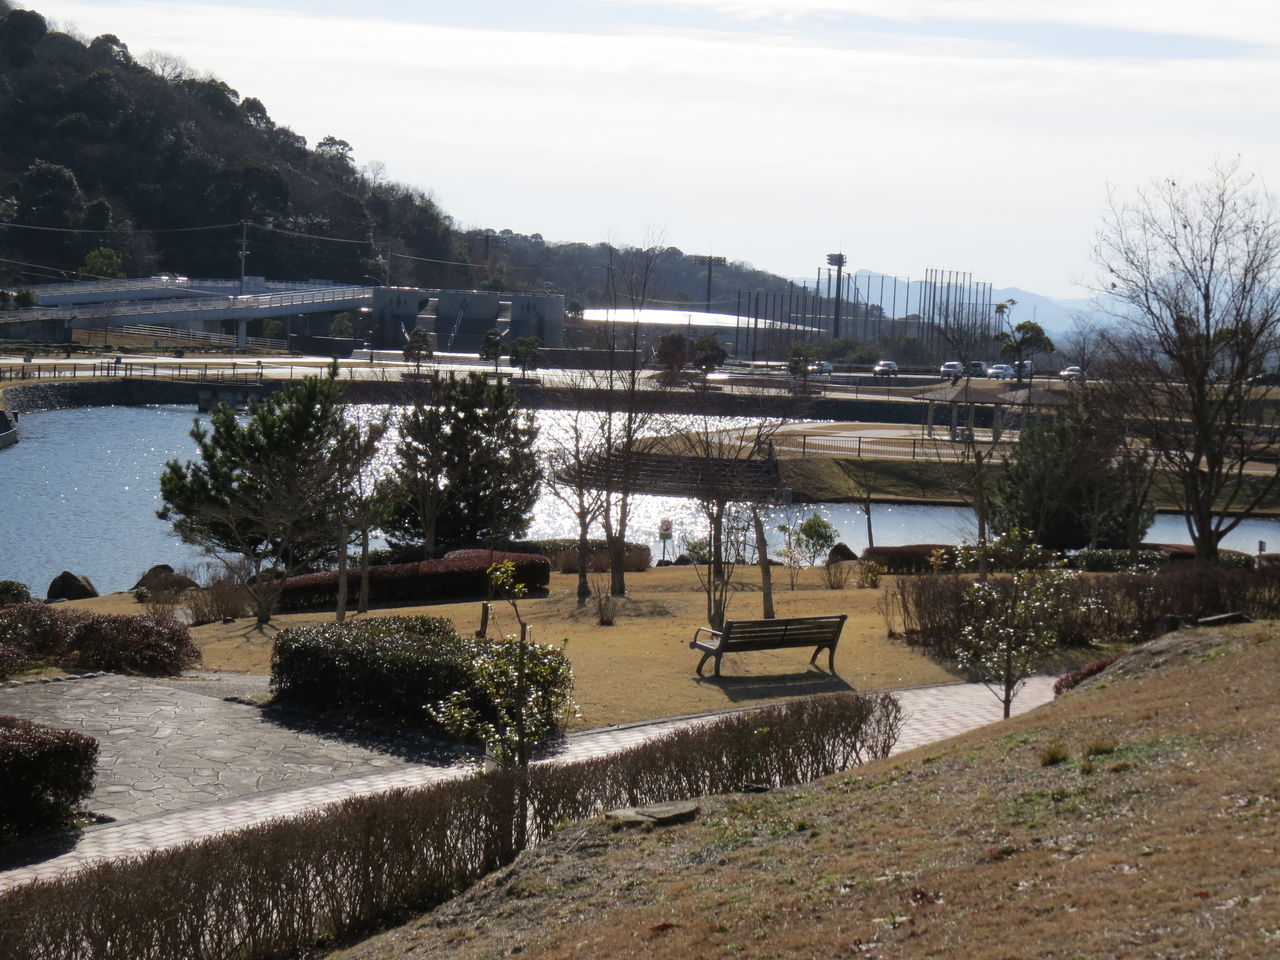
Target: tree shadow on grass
column 762, row 687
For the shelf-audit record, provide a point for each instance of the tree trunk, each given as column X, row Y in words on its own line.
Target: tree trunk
column 363, row 606
column 342, row 573
column 866, row 508
column 584, row 560
column 766, row 572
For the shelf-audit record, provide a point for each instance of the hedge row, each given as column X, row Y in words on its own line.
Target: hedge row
column 563, row 552
column 332, row 874
column 46, row 773
column 389, row 669
column 1118, row 608
column 146, row 644
column 456, row 576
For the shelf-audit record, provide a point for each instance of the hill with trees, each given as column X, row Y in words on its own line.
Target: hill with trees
column 116, row 165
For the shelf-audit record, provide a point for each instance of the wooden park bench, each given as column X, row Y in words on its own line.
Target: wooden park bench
column 741, row 635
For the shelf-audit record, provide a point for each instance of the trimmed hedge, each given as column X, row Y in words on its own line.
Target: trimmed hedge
column 389, row 669
column 46, row 774
column 146, row 644
column 456, row 576
column 563, row 552
column 909, row 558
column 281, row 887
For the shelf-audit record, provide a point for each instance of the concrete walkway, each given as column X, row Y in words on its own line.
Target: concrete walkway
column 179, row 763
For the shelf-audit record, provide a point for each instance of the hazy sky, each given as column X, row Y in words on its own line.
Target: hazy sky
column 972, row 135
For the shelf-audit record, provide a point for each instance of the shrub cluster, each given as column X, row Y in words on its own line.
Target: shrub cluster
column 46, row 774
column 392, row 669
column 456, row 576
column 13, row 591
column 31, row 633
column 1122, row 607
column 340, row 871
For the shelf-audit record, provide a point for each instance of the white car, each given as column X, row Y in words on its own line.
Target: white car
column 952, row 368
column 999, row 371
column 1071, row 373
column 820, row 367
column 885, row 368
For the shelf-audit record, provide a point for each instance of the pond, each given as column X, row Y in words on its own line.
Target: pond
column 81, row 491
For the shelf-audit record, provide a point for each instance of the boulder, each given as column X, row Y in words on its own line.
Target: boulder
column 162, row 579
column 71, row 586
column 840, row 553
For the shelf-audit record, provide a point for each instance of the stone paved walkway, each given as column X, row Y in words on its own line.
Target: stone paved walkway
column 177, row 765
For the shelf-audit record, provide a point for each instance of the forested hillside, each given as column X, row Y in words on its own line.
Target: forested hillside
column 99, row 149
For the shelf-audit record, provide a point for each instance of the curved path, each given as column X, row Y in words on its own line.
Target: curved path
column 180, row 762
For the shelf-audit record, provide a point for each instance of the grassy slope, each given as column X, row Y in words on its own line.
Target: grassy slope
column 1164, row 844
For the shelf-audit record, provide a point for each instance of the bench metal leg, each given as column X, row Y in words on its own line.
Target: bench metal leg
column 831, row 657
column 703, row 661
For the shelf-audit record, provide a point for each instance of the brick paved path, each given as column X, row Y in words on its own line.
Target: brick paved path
column 178, row 766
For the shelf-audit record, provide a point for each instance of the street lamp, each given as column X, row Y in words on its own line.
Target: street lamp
column 709, row 261
column 836, row 260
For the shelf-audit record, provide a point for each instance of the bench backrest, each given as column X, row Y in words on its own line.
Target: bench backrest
column 790, row 632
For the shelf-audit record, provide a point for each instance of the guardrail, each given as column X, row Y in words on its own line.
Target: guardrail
column 896, row 448
column 192, row 372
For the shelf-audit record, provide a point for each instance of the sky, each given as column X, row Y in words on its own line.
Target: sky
column 980, row 136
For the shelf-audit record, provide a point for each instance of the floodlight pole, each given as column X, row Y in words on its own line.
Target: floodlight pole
column 836, row 260
column 710, row 261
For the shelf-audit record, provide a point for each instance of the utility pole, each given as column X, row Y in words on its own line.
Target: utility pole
column 244, row 251
column 836, row 260
column 710, row 261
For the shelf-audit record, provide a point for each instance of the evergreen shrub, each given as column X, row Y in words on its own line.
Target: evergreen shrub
column 13, row 591
column 393, row 669
column 146, row 644
column 46, row 773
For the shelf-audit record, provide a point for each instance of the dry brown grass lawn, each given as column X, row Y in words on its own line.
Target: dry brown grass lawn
column 642, row 668
column 1156, row 835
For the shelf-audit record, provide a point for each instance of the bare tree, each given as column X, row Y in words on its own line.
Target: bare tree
column 724, row 469
column 1083, row 344
column 568, row 464
column 629, row 273
column 1193, row 269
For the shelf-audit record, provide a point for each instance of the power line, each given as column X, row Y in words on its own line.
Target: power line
column 31, row 226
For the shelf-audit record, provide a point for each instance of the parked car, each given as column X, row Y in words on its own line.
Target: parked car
column 999, row 371
column 1071, row 373
column 885, row 368
column 952, row 368
column 977, row 368
column 1023, row 368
